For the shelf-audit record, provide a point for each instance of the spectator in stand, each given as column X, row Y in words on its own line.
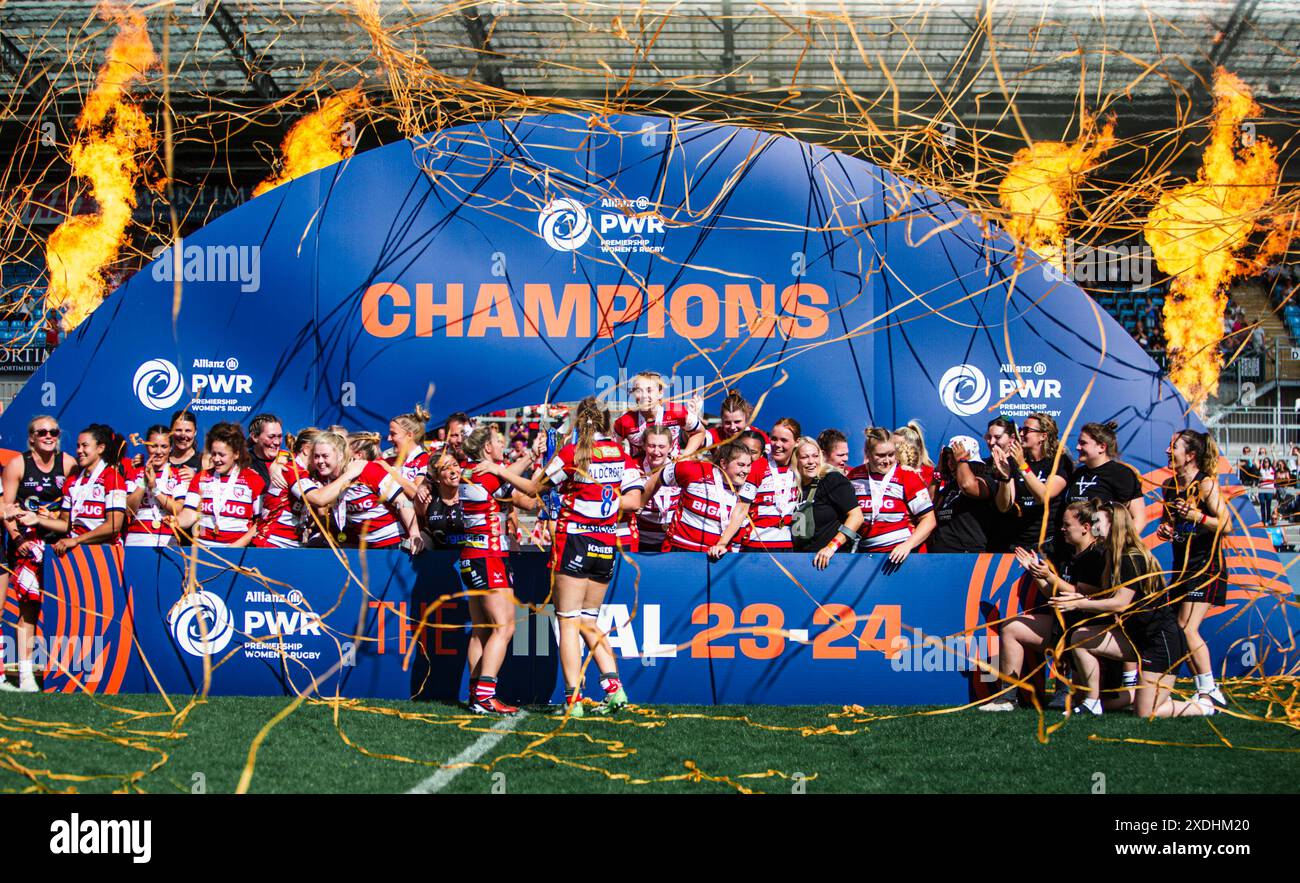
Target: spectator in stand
column 1284, row 479
column 1248, row 471
column 962, row 492
column 835, row 449
column 1038, row 478
column 437, row 441
column 1103, row 476
column 909, row 442
column 898, row 515
column 827, row 517
column 1267, row 486
column 1293, row 459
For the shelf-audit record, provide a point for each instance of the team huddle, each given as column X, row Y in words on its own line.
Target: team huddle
column 658, row 480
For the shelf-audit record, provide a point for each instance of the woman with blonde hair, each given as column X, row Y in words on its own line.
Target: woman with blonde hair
column 596, row 480
column 1146, row 630
column 406, row 433
column 898, row 514
column 827, row 516
column 909, row 442
column 365, row 497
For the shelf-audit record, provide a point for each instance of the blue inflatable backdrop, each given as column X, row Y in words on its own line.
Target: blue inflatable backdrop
column 548, row 258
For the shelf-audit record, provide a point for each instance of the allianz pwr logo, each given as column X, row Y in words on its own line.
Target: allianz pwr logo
column 566, row 224
column 159, row 384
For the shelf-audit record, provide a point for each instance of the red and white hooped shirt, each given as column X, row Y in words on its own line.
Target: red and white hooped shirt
column 88, row 497
column 362, row 508
column 891, row 505
column 656, row 514
column 590, row 498
column 228, row 505
column 484, row 517
column 713, row 436
column 147, row 527
column 417, row 463
column 704, row 504
column 775, row 492
column 676, row 418
column 281, row 523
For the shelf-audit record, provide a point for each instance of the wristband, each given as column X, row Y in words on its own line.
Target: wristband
column 849, row 536
column 1204, row 518
column 1024, row 467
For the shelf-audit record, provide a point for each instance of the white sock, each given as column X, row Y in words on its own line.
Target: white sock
column 24, row 669
column 1205, row 683
column 1092, row 705
column 1130, row 678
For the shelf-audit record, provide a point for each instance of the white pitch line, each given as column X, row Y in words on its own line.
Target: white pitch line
column 481, row 746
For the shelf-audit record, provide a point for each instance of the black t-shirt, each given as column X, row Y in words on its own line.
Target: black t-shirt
column 262, row 468
column 1026, row 517
column 1197, row 548
column 195, row 462
column 1083, row 569
column 1150, row 608
column 833, row 498
column 446, row 524
column 1111, row 482
column 964, row 524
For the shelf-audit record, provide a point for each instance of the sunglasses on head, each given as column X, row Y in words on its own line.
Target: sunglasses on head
column 52, row 433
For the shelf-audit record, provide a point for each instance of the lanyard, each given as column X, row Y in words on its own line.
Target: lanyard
column 878, row 490
column 222, row 493
column 150, row 494
column 81, row 489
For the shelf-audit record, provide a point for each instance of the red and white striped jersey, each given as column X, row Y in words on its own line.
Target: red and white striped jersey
column 362, row 509
column 902, row 503
column 590, row 499
column 675, row 417
column 704, row 504
column 656, row 513
column 628, row 532
column 88, row 497
column 282, row 510
column 146, row 527
column 774, row 491
column 228, row 505
column 484, row 517
column 417, row 462
column 713, row 436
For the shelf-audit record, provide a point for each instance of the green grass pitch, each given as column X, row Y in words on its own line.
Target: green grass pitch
column 63, row 742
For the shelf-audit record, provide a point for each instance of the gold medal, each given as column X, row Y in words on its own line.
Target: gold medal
column 342, row 538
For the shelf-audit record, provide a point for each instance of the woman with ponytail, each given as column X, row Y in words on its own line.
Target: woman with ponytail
column 596, row 481
column 365, row 496
column 1078, row 570
column 1195, row 520
column 1103, row 476
column 485, row 495
column 408, row 455
column 1146, row 630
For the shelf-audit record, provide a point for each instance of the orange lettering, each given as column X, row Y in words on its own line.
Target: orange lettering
column 370, row 309
column 657, row 306
column 679, row 310
column 790, row 303
column 609, row 317
column 759, row 322
column 540, row 308
column 439, row 630
column 452, row 312
column 494, row 309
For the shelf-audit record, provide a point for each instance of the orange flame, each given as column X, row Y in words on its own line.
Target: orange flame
column 317, row 140
column 1042, row 185
column 1198, row 232
column 111, row 133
